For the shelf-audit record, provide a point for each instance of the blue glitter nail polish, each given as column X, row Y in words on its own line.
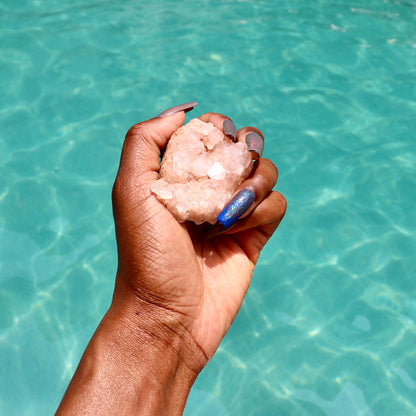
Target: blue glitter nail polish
column 236, row 208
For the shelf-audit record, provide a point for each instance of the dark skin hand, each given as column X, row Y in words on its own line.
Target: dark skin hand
column 177, row 291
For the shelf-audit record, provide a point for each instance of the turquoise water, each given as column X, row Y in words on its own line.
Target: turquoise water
column 328, row 326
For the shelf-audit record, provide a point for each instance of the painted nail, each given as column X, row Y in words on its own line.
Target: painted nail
column 183, row 107
column 238, row 205
column 229, row 130
column 255, row 143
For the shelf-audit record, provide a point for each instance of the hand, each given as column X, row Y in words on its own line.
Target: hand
column 193, row 285
column 178, row 288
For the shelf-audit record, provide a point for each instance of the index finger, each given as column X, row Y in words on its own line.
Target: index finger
column 252, row 136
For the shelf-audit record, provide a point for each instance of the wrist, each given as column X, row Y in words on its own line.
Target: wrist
column 136, row 363
column 157, row 325
column 158, row 332
column 155, row 360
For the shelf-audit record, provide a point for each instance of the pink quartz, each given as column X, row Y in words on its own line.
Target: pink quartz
column 200, row 172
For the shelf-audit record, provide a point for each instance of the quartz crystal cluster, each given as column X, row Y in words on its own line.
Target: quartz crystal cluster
column 200, row 172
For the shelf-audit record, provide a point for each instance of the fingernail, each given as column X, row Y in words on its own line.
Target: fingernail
column 238, row 205
column 229, row 129
column 215, row 230
column 183, row 107
column 255, row 143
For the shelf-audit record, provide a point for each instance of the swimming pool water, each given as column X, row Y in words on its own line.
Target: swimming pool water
column 328, row 325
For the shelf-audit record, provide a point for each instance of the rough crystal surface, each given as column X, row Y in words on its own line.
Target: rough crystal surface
column 200, row 172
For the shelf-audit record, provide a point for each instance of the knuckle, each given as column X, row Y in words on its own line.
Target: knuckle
column 268, row 172
column 137, row 132
column 272, row 168
column 281, row 202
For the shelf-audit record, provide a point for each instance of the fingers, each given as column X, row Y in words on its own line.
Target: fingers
column 252, row 136
column 265, row 217
column 254, row 198
column 250, row 193
column 253, row 202
column 215, row 118
column 254, row 139
column 260, row 182
column 267, row 214
column 222, row 123
column 253, row 233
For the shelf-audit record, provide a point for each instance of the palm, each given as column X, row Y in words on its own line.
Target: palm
column 204, row 280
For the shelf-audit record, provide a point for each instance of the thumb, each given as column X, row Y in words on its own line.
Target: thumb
column 139, row 166
column 144, row 142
